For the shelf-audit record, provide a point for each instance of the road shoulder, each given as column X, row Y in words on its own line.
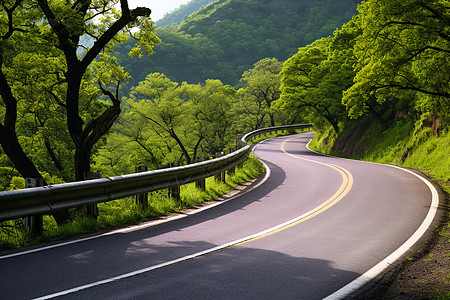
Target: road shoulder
column 424, row 271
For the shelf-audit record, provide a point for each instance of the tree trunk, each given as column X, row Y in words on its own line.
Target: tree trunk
column 82, row 162
column 272, row 120
column 91, row 134
column 333, row 123
column 15, row 153
column 183, row 149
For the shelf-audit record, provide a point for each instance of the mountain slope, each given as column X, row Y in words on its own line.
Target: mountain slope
column 227, row 37
column 175, row 17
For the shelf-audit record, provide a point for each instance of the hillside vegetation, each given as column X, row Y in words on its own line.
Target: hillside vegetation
column 177, row 16
column 227, row 37
column 379, row 88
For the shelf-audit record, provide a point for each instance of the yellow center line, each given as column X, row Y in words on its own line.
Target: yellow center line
column 344, row 189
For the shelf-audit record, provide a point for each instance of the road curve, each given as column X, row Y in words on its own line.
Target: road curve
column 314, row 227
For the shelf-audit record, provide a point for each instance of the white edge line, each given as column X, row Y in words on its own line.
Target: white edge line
column 175, row 261
column 144, row 225
column 346, row 290
column 384, row 264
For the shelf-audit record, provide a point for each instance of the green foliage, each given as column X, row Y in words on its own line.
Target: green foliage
column 404, row 46
column 17, row 183
column 165, row 122
column 389, row 67
column 58, row 97
column 225, row 38
column 261, row 89
column 313, row 81
column 440, row 295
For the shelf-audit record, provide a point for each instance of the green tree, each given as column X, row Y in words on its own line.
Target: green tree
column 312, row 84
column 404, row 47
column 262, row 88
column 161, row 105
column 164, row 122
column 12, row 37
column 210, row 109
column 68, row 24
column 49, row 35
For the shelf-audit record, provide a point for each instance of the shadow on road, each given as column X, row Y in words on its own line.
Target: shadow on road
column 234, row 273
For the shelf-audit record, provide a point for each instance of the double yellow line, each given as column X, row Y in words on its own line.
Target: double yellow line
column 344, row 189
column 347, row 182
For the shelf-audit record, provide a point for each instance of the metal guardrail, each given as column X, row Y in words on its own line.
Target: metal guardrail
column 48, row 199
column 245, row 139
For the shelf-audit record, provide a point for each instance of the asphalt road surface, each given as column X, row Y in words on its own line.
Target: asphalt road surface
column 315, row 225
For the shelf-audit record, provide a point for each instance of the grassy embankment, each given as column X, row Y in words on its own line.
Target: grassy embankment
column 125, row 211
column 405, row 144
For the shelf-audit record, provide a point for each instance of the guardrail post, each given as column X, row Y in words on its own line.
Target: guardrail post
column 220, row 177
column 34, row 224
column 91, row 210
column 232, row 170
column 174, row 192
column 239, row 143
column 201, row 184
column 142, row 199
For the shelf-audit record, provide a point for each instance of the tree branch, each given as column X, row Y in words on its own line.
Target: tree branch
column 9, row 12
column 412, row 88
column 10, row 102
column 114, row 98
column 127, row 17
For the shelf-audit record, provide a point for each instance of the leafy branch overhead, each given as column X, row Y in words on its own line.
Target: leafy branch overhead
column 404, row 47
column 391, row 58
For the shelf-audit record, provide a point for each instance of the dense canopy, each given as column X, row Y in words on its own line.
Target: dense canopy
column 225, row 38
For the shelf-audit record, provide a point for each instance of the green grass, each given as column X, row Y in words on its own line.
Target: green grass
column 125, row 211
column 404, row 144
column 323, row 141
column 438, row 295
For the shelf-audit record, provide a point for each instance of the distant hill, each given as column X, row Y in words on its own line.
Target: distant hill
column 176, row 17
column 226, row 37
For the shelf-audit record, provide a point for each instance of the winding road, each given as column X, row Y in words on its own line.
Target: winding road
column 315, row 227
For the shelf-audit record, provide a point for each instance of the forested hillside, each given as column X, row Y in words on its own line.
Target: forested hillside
column 176, row 16
column 379, row 88
column 227, row 37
